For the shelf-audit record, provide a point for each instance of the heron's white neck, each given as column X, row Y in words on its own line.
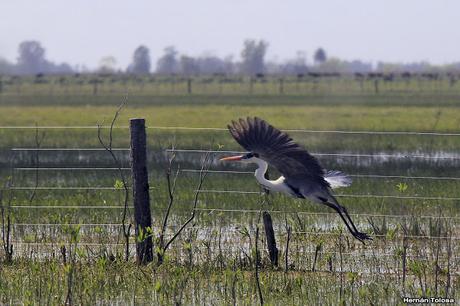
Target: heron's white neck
column 276, row 185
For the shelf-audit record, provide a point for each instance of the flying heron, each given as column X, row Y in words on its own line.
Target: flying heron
column 302, row 175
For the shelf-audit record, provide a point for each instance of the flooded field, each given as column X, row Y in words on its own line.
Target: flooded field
column 63, row 210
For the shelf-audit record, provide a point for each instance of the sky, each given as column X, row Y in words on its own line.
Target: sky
column 82, row 32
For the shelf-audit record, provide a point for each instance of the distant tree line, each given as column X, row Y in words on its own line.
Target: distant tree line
column 32, row 61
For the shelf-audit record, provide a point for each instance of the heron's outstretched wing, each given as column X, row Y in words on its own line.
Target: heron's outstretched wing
column 277, row 148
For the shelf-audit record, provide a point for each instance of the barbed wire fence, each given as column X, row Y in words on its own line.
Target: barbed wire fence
column 221, row 84
column 97, row 169
column 238, row 172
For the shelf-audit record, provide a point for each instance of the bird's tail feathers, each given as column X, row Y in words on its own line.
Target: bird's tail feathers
column 338, row 179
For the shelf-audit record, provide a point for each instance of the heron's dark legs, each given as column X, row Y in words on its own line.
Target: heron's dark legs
column 331, row 205
column 353, row 230
column 363, row 236
column 344, row 210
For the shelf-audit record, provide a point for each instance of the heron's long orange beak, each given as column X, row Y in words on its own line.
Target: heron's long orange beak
column 232, row 158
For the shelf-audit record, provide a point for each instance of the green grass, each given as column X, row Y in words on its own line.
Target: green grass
column 126, row 283
column 213, row 261
column 321, row 117
column 209, row 272
column 347, row 117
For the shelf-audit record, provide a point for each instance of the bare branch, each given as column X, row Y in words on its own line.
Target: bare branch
column 38, row 142
column 171, row 189
column 286, row 252
column 6, row 224
column 108, row 148
column 261, row 298
column 203, row 173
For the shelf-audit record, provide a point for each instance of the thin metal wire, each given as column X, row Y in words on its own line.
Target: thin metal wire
column 403, row 133
column 58, row 127
column 316, row 131
column 407, row 177
column 233, row 172
column 338, row 195
column 63, row 242
column 92, row 225
column 415, row 237
column 352, row 155
column 352, row 175
column 377, row 235
column 218, row 171
column 325, row 214
column 67, row 149
column 230, row 191
column 236, row 248
column 68, row 168
column 65, row 224
column 255, row 211
column 70, row 188
column 324, row 154
column 66, row 188
column 63, row 207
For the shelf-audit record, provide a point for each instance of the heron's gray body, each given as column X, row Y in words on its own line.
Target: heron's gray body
column 302, row 175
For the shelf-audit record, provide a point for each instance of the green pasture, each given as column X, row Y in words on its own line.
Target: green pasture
column 285, row 116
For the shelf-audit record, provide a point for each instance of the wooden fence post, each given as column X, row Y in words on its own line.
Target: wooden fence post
column 271, row 241
column 251, row 85
column 376, row 86
column 189, row 86
column 141, row 198
column 281, row 86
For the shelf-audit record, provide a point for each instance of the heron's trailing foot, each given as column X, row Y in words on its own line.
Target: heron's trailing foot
column 361, row 236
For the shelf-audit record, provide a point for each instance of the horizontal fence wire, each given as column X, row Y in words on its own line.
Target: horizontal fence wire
column 67, row 149
column 422, row 237
column 225, row 129
column 235, row 229
column 352, row 175
column 414, row 237
column 231, row 172
column 339, row 195
column 371, row 196
column 69, row 169
column 63, row 206
column 64, row 224
column 350, row 155
column 317, row 131
column 69, row 188
column 324, row 154
column 254, row 211
column 346, row 254
column 224, row 210
column 358, row 253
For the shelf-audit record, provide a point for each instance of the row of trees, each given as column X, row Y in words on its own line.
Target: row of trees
column 32, row 60
column 252, row 62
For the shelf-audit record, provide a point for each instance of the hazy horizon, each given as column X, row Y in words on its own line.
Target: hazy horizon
column 83, row 32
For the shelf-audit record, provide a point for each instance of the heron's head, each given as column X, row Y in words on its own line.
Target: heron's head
column 246, row 158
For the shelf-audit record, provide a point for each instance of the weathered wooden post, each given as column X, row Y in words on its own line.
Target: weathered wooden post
column 251, row 85
column 270, row 235
column 376, row 86
column 141, row 198
column 189, row 86
column 269, row 232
